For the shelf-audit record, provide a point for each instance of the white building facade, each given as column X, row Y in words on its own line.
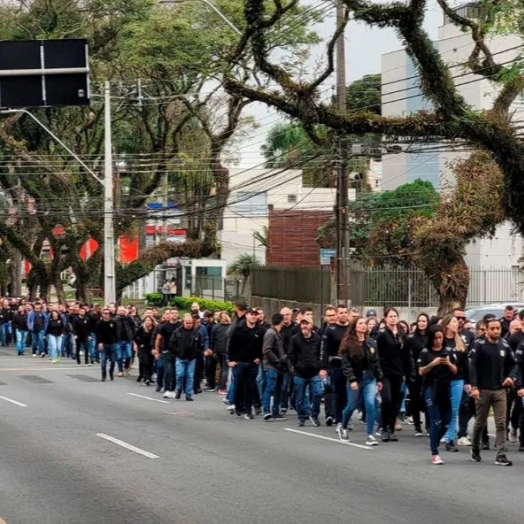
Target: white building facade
column 402, row 96
column 252, row 193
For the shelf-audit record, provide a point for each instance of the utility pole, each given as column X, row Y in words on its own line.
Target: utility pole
column 165, row 203
column 342, row 268
column 109, row 239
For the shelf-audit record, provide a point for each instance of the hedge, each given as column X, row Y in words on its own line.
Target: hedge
column 184, row 303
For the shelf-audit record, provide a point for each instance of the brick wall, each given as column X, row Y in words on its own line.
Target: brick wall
column 292, row 237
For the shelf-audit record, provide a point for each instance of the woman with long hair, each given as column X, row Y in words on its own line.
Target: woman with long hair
column 455, row 345
column 415, row 343
column 143, row 344
column 54, row 333
column 361, row 368
column 218, row 346
column 372, row 323
column 396, row 363
column 437, row 366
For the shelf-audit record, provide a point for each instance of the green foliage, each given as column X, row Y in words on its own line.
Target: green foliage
column 365, row 94
column 243, row 265
column 184, row 303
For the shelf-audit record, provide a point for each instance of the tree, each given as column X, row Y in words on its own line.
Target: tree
column 365, row 94
column 243, row 267
column 451, row 119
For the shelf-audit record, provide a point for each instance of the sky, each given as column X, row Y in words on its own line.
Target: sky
column 364, row 49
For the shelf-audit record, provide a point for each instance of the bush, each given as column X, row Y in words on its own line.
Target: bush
column 184, row 303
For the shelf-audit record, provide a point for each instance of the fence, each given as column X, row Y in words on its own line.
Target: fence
column 381, row 287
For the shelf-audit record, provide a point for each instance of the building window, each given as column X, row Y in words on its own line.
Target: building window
column 291, row 199
column 211, row 271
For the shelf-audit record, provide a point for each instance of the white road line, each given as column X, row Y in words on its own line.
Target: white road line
column 15, row 402
column 127, row 446
column 149, row 398
column 338, row 441
column 4, row 370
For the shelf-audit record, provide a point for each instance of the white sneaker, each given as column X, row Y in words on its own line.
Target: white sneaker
column 371, row 441
column 231, row 407
column 167, row 394
column 513, row 436
column 464, row 441
column 338, row 428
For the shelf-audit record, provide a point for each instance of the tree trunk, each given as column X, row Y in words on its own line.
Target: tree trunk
column 16, row 273
column 451, row 284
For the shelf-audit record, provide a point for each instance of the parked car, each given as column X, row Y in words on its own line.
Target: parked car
column 477, row 313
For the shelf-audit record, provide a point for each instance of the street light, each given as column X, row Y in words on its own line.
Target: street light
column 107, row 183
column 213, row 7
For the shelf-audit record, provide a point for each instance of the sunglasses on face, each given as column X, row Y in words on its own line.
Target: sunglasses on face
column 460, row 318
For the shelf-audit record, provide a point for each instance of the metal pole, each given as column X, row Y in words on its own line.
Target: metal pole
column 410, row 283
column 165, row 201
column 321, row 292
column 342, row 274
column 109, row 240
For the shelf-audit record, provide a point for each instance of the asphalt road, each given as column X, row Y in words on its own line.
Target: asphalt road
column 65, row 457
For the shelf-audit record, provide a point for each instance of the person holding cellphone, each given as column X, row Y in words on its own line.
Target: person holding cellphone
column 437, row 367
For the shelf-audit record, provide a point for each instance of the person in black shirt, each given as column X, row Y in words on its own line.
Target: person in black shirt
column 287, row 332
column 362, row 371
column 106, row 340
column 396, row 363
column 505, row 321
column 20, row 325
column 415, row 343
column 304, row 356
column 81, row 328
column 54, row 332
column 437, row 366
column 125, row 331
column 143, row 345
column 492, row 367
column 335, row 396
column 163, row 337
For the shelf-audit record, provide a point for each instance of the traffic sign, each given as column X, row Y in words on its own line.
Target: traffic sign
column 326, row 255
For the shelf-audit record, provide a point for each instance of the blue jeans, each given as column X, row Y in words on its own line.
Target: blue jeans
column 159, row 370
column 284, row 398
column 457, row 388
column 20, row 341
column 54, row 345
column 274, row 384
column 185, row 371
column 245, row 375
column 93, row 355
column 37, row 342
column 438, row 421
column 108, row 354
column 367, row 387
column 261, row 381
column 231, row 390
column 5, row 332
column 123, row 355
column 403, row 392
column 307, row 406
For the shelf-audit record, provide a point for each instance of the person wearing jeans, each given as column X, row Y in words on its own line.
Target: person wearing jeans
column 304, row 356
column 245, row 355
column 36, row 320
column 361, row 368
column 437, row 366
column 20, row 325
column 456, row 346
column 54, row 332
column 492, row 368
column 81, row 332
column 186, row 345
column 125, row 332
column 106, row 340
column 275, row 368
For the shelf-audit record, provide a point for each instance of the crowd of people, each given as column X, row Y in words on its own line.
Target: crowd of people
column 436, row 373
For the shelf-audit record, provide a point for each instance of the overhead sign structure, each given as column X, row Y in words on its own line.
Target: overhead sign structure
column 326, row 255
column 41, row 73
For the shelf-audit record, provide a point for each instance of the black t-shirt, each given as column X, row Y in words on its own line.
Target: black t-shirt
column 427, row 356
column 166, row 331
column 515, row 339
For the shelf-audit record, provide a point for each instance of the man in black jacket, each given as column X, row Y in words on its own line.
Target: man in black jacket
column 335, row 396
column 82, row 335
column 125, row 332
column 106, row 338
column 245, row 355
column 492, row 368
column 304, row 355
column 186, row 344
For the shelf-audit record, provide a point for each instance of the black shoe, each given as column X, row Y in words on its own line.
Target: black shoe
column 268, row 417
column 279, row 417
column 418, row 431
column 158, row 389
column 111, row 376
column 189, row 399
column 301, row 423
column 314, row 421
column 475, row 456
column 147, row 382
column 329, row 421
column 258, row 411
column 385, row 436
column 197, row 391
column 139, row 379
column 103, row 379
column 450, row 446
column 393, row 437
column 502, row 460
column 521, row 447
column 178, row 394
column 485, row 446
